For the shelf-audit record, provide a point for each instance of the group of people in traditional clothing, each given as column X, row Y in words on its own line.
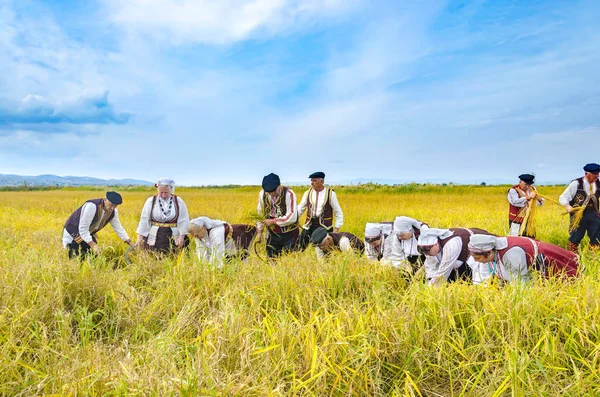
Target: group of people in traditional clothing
column 405, row 243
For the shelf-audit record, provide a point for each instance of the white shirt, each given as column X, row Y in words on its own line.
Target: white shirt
column 514, row 199
column 571, row 191
column 441, row 265
column 396, row 251
column 145, row 227
column 319, row 198
column 85, row 221
column 291, row 215
column 344, row 246
column 513, row 267
column 213, row 247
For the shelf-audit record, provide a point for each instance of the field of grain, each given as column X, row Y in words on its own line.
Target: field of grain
column 298, row 327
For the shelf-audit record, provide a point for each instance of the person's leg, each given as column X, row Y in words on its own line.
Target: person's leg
column 594, row 231
column 514, row 228
column 304, row 239
column 273, row 246
column 577, row 235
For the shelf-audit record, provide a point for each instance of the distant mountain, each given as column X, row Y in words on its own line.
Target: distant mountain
column 54, row 180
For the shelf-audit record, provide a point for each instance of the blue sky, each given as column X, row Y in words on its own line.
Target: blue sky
column 225, row 92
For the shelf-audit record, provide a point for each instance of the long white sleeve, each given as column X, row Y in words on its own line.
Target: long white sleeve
column 184, row 217
column 291, row 214
column 571, row 191
column 303, row 204
column 202, row 250
column 448, row 261
column 145, row 218
column 514, row 265
column 514, row 199
column 345, row 244
column 88, row 211
column 118, row 228
column 337, row 210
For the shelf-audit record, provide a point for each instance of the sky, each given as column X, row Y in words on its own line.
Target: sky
column 224, row 92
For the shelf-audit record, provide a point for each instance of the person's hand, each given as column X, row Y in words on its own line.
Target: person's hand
column 130, row 243
column 569, row 208
column 180, row 240
column 532, row 195
column 139, row 243
column 96, row 249
column 269, row 222
column 336, row 229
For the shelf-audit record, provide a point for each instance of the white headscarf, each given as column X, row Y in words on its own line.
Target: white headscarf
column 404, row 224
column 166, row 182
column 377, row 229
column 204, row 221
column 430, row 236
column 484, row 243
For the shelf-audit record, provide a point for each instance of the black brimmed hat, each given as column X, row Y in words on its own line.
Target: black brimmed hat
column 318, row 235
column 591, row 167
column 527, row 178
column 270, row 182
column 114, row 197
column 317, row 174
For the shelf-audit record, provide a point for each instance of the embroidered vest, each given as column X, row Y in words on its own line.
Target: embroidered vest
column 72, row 224
column 326, row 217
column 170, row 222
column 516, row 214
column 280, row 210
column 581, row 196
column 355, row 242
column 464, row 235
column 549, row 259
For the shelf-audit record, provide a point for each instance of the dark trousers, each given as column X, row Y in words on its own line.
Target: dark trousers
column 461, row 273
column 590, row 223
column 80, row 250
column 281, row 243
column 305, row 234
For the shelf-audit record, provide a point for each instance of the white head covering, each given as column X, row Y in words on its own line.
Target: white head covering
column 484, row 243
column 430, row 236
column 166, row 182
column 204, row 221
column 377, row 229
column 404, row 224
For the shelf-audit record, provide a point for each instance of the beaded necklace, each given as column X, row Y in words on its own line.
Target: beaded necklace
column 166, row 212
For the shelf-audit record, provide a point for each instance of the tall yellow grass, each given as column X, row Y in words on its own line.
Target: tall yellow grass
column 299, row 327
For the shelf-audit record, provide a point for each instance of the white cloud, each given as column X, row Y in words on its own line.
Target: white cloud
column 222, row 21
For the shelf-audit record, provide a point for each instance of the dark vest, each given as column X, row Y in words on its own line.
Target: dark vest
column 581, row 196
column 169, row 223
column 326, row 217
column 464, row 235
column 354, row 241
column 280, row 211
column 72, row 224
column 515, row 214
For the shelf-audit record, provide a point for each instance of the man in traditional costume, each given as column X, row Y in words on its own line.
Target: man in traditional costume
column 164, row 220
column 79, row 234
column 446, row 253
column 375, row 237
column 277, row 204
column 401, row 247
column 321, row 204
column 218, row 241
column 510, row 259
column 326, row 242
column 519, row 197
column 583, row 194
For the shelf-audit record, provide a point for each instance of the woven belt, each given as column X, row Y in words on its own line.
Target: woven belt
column 164, row 224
